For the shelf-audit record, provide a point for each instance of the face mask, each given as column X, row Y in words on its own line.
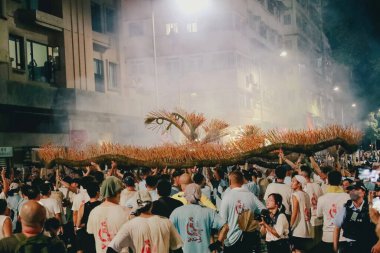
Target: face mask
column 354, row 196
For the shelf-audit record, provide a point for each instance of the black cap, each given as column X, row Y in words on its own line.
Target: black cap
column 357, row 185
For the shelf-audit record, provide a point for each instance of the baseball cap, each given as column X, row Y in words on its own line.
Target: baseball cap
column 357, row 185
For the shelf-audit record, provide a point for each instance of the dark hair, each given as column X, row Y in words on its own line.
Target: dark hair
column 177, row 173
column 45, row 189
column 52, row 224
column 334, row 178
column 145, row 171
column 85, row 181
column 31, row 192
column 348, row 180
column 76, row 181
column 164, row 188
column 219, row 171
column 67, row 179
column 238, row 176
column 92, row 189
column 3, row 206
column 98, row 176
column 280, row 172
column 247, row 175
column 198, row 178
column 37, row 182
column 151, row 181
column 277, row 199
column 326, row 169
column 129, row 181
column 307, row 170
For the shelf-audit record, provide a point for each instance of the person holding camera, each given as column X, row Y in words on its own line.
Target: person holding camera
column 275, row 225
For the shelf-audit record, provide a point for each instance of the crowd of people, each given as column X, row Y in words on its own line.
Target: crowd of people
column 307, row 205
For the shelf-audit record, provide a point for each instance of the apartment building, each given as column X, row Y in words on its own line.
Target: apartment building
column 253, row 60
column 59, row 76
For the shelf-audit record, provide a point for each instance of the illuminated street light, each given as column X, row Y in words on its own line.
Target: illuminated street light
column 284, row 54
column 193, row 6
column 353, row 105
column 336, row 88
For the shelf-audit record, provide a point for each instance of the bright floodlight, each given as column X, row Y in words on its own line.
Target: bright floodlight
column 353, row 105
column 336, row 88
column 193, row 6
column 284, row 54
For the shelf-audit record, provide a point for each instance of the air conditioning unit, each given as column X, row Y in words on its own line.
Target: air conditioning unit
column 35, row 156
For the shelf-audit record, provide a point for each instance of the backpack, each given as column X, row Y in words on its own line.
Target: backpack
column 39, row 243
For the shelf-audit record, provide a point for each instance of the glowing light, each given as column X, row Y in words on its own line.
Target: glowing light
column 353, row 105
column 193, row 6
column 336, row 88
column 194, row 94
column 284, row 54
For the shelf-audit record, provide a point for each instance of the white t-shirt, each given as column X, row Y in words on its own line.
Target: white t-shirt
column 2, row 220
column 154, row 234
column 79, row 199
column 104, row 222
column 52, row 206
column 302, row 226
column 314, row 191
column 125, row 196
column 154, row 195
column 281, row 227
column 284, row 190
column 328, row 206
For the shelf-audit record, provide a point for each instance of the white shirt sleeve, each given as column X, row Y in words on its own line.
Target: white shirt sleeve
column 282, row 226
column 319, row 208
column 121, row 240
column 90, row 224
column 56, row 207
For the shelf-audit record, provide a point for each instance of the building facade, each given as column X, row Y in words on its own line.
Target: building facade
column 59, row 76
column 263, row 62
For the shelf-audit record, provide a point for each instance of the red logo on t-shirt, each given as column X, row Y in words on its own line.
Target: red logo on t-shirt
column 193, row 231
column 104, row 235
column 146, row 248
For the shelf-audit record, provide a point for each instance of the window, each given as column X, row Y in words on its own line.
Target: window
column 16, row 52
column 171, row 28
column 111, row 20
column 99, row 75
column 52, row 7
column 173, row 67
column 135, row 29
column 288, row 44
column 113, row 83
column 43, row 61
column 96, row 17
column 287, row 19
column 263, row 30
column 192, row 27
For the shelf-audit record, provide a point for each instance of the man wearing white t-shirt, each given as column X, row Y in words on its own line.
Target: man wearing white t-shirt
column 106, row 219
column 146, row 232
column 281, row 188
column 236, row 201
column 328, row 206
column 53, row 207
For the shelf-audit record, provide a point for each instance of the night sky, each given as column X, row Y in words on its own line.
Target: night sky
column 353, row 30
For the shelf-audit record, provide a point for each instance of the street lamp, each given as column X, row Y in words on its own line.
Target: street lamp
column 336, row 90
column 353, row 105
column 284, row 54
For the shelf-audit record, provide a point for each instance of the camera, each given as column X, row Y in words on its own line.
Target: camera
column 264, row 215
